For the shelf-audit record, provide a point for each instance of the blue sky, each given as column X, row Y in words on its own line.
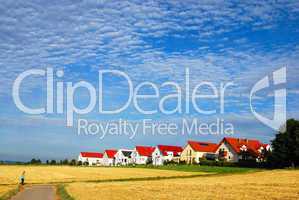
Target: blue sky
column 150, row 41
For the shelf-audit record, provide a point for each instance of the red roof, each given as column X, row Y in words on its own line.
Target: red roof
column 266, row 146
column 252, row 146
column 145, row 150
column 176, row 150
column 91, row 154
column 110, row 152
column 203, row 146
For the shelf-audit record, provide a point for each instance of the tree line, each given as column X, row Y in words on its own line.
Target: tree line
column 35, row 161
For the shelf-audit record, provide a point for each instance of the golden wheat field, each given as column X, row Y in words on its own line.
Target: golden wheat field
column 57, row 174
column 5, row 188
column 278, row 184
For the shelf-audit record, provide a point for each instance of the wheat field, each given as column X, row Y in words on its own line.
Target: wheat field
column 9, row 175
column 6, row 188
column 277, row 184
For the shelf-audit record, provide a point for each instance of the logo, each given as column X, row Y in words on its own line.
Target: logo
column 165, row 98
column 279, row 118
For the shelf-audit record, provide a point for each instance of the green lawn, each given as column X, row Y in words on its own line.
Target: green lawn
column 197, row 168
column 62, row 193
column 10, row 194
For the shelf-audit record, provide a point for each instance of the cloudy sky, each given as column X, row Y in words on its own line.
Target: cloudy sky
column 154, row 41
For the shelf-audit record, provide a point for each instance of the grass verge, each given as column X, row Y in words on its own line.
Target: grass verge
column 62, row 193
column 10, row 194
column 202, row 168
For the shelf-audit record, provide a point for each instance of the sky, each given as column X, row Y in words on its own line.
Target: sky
column 150, row 41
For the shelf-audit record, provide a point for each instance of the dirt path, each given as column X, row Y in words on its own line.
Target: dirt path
column 40, row 192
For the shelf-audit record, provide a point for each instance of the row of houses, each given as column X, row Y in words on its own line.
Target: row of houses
column 228, row 149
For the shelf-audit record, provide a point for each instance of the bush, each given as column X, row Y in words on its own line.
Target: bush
column 35, row 161
column 241, row 163
column 53, row 162
column 183, row 162
column 217, row 163
column 85, row 163
column 248, row 163
column 65, row 162
column 72, row 162
column 171, row 162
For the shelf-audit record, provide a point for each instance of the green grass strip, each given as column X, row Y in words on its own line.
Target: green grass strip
column 62, row 193
column 198, row 168
column 10, row 194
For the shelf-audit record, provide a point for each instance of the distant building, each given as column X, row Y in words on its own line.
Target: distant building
column 142, row 155
column 92, row 158
column 123, row 157
column 195, row 150
column 236, row 149
column 166, row 153
column 108, row 157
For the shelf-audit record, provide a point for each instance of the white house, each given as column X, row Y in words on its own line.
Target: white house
column 196, row 150
column 165, row 153
column 92, row 158
column 108, row 157
column 142, row 155
column 235, row 149
column 123, row 157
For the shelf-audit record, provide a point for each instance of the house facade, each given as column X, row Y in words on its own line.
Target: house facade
column 196, row 150
column 91, row 158
column 123, row 157
column 166, row 153
column 142, row 155
column 236, row 149
column 108, row 157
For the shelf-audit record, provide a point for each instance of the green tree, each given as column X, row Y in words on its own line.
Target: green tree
column 53, row 162
column 285, row 146
column 65, row 162
column 35, row 161
column 72, row 162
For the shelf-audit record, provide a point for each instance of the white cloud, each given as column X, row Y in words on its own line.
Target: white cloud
column 119, row 34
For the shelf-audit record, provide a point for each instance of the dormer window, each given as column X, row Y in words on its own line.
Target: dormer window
column 243, row 148
column 169, row 153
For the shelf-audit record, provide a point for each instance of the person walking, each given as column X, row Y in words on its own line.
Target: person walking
column 22, row 178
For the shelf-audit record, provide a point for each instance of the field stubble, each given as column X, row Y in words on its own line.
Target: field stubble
column 9, row 175
column 277, row 184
